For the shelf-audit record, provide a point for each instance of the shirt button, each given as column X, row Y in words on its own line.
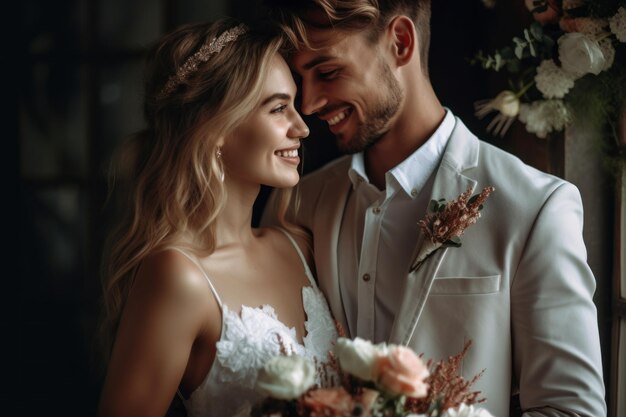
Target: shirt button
column 376, row 210
column 366, row 277
column 414, row 192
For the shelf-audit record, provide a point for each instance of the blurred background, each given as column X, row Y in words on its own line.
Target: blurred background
column 79, row 89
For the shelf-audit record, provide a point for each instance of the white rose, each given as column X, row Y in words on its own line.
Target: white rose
column 580, row 54
column 358, row 357
column 466, row 411
column 286, row 377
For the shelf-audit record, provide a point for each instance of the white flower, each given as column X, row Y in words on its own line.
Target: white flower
column 544, row 116
column 580, row 54
column 552, row 81
column 286, row 377
column 506, row 103
column 608, row 51
column 617, row 24
column 466, row 411
column 358, row 357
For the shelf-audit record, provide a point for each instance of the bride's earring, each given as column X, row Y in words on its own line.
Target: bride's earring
column 219, row 158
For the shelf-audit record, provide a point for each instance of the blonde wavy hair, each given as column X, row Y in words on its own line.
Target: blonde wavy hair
column 370, row 16
column 171, row 170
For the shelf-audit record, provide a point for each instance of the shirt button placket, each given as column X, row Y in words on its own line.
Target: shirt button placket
column 366, row 277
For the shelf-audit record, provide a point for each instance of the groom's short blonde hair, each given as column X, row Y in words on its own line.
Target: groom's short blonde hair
column 369, row 16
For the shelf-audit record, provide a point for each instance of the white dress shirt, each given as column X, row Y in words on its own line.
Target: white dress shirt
column 378, row 233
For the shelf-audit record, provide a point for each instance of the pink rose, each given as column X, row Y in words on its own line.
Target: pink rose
column 403, row 372
column 588, row 25
column 329, row 401
column 550, row 15
column 569, row 24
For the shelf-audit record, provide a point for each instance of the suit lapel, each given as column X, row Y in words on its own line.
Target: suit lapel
column 326, row 231
column 461, row 154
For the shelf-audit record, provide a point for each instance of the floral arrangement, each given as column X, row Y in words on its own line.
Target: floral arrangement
column 570, row 62
column 382, row 380
column 446, row 221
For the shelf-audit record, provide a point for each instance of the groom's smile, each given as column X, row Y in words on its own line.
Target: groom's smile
column 349, row 86
column 337, row 119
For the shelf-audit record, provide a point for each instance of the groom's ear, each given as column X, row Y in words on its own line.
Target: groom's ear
column 404, row 39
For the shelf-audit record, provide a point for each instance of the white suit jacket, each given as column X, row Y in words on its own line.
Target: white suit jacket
column 519, row 286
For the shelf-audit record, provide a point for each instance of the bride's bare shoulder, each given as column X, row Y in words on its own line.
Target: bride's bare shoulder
column 170, row 275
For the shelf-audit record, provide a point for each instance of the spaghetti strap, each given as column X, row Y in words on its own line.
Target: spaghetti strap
column 195, row 261
column 307, row 270
column 180, row 395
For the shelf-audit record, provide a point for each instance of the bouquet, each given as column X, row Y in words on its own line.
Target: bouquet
column 569, row 63
column 382, row 380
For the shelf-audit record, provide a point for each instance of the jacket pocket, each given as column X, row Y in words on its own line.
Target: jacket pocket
column 466, row 285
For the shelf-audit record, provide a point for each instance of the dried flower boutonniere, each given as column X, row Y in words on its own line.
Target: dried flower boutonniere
column 447, row 221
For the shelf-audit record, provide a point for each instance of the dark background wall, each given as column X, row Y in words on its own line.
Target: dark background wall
column 78, row 84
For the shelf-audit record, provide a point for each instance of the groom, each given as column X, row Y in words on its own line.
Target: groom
column 519, row 286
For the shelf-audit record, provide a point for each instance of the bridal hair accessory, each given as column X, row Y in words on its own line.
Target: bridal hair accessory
column 203, row 55
column 446, row 222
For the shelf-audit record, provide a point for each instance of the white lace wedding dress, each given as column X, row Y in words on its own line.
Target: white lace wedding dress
column 248, row 340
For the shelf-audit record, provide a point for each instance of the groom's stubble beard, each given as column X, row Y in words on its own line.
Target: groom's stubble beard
column 377, row 117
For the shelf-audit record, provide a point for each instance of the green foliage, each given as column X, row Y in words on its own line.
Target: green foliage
column 533, row 46
column 599, row 99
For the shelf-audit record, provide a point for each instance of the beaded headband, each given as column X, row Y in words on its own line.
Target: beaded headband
column 203, row 55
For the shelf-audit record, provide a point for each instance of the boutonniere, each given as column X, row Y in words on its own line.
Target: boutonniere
column 446, row 222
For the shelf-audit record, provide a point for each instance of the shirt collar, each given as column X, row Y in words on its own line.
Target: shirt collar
column 357, row 169
column 411, row 174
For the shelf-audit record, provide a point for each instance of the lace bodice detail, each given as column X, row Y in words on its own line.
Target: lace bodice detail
column 248, row 340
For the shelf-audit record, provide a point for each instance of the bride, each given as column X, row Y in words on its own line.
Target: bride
column 196, row 300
